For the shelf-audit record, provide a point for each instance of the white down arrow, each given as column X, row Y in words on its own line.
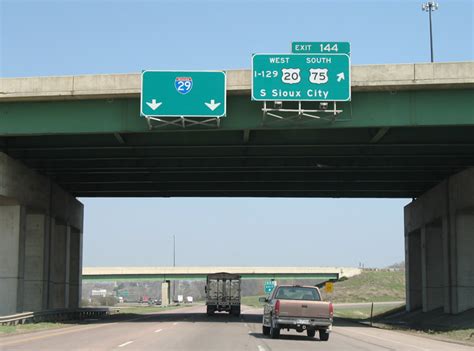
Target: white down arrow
column 212, row 105
column 153, row 104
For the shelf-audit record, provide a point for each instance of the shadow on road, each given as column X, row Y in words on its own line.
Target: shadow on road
column 294, row 337
column 165, row 317
column 200, row 317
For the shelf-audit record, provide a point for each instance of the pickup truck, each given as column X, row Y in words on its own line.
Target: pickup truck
column 297, row 307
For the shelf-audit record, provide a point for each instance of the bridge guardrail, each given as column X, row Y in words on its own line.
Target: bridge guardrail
column 55, row 315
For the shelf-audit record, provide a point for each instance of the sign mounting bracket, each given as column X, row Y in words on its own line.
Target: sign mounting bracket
column 183, row 122
column 326, row 111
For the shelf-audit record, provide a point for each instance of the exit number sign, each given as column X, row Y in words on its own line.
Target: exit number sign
column 321, row 47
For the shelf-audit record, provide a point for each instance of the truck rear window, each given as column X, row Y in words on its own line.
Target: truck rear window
column 297, row 293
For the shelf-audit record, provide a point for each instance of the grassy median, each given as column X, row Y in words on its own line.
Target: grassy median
column 148, row 309
column 122, row 313
column 251, row 301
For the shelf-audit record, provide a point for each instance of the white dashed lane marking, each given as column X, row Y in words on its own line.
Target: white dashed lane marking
column 125, row 344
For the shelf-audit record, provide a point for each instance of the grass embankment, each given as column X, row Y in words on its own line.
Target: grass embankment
column 369, row 286
column 363, row 312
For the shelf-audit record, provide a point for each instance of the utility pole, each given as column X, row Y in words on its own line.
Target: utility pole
column 429, row 7
column 174, row 264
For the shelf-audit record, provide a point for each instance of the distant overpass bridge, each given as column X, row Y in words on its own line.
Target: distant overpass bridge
column 189, row 273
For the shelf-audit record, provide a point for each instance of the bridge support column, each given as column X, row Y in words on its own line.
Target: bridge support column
column 36, row 262
column 75, row 268
column 59, row 269
column 413, row 271
column 12, row 233
column 439, row 242
column 165, row 293
column 40, row 242
column 432, row 267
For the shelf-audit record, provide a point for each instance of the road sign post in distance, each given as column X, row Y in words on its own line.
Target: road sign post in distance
column 183, row 94
column 269, row 286
column 329, row 287
column 301, row 77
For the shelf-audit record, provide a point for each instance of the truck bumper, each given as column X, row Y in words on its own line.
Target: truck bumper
column 313, row 323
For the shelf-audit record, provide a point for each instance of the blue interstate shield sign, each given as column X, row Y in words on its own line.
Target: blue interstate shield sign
column 183, row 85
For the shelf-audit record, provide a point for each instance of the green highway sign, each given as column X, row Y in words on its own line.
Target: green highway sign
column 183, row 94
column 269, row 286
column 301, row 77
column 321, row 47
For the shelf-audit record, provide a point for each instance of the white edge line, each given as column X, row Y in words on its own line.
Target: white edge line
column 125, row 344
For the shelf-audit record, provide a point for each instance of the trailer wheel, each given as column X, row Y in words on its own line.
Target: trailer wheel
column 235, row 310
column 311, row 333
column 265, row 330
column 210, row 310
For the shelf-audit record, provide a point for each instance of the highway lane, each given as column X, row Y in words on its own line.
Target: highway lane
column 190, row 329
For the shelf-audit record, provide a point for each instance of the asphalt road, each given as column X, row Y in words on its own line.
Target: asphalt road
column 190, row 329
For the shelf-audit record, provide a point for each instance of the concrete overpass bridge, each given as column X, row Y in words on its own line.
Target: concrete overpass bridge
column 189, row 273
column 166, row 274
column 407, row 133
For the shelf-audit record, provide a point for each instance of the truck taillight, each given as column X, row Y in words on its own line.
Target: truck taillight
column 331, row 310
column 277, row 307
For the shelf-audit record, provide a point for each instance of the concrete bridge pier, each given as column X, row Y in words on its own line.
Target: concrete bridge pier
column 165, row 293
column 41, row 242
column 439, row 246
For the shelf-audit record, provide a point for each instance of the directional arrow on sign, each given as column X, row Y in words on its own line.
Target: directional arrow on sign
column 153, row 104
column 212, row 105
column 340, row 76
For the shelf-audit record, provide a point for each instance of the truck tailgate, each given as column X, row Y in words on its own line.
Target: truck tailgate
column 308, row 309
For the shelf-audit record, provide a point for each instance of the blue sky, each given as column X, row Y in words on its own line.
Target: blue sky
column 41, row 38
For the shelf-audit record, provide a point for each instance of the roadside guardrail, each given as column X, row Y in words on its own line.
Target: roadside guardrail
column 56, row 315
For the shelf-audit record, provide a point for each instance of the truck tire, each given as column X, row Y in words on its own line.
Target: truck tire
column 265, row 330
column 323, row 335
column 235, row 310
column 311, row 333
column 210, row 310
column 274, row 331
